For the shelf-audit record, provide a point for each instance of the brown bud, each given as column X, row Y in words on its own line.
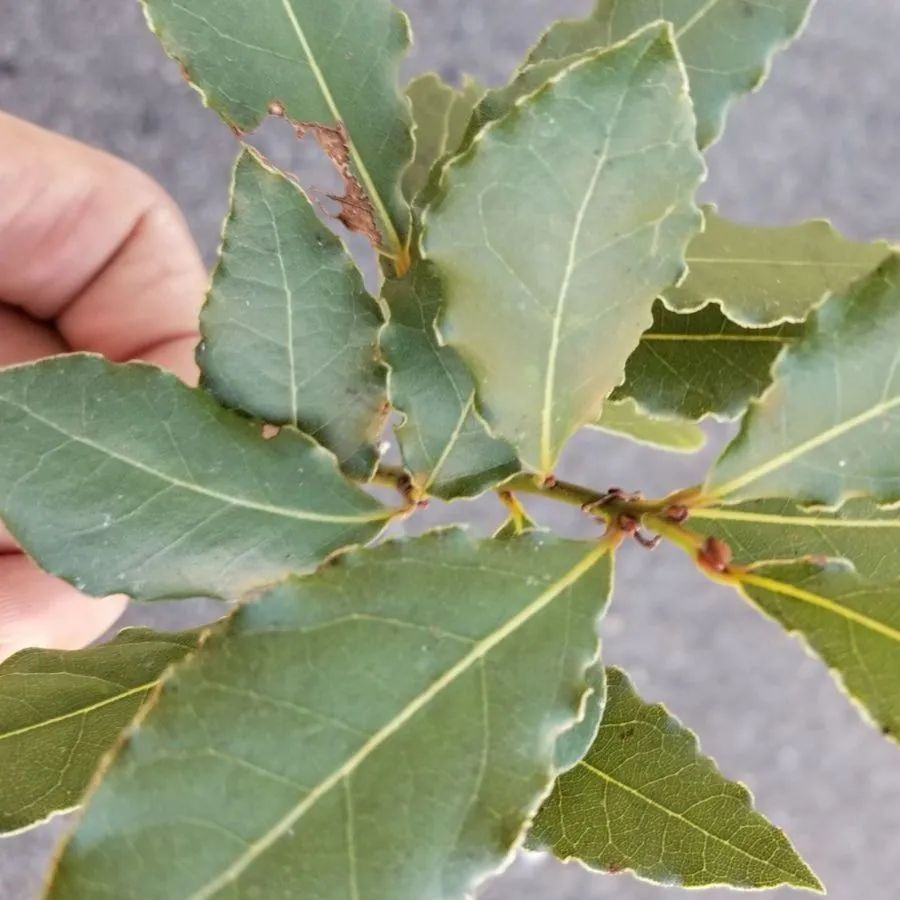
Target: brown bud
column 715, row 555
column 677, row 514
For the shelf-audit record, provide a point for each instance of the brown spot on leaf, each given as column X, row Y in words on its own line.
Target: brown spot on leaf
column 356, row 211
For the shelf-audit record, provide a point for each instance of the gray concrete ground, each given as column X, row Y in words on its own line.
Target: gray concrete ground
column 822, row 139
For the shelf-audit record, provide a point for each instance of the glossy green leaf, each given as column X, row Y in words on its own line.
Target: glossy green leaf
column 360, row 736
column 828, row 427
column 625, row 418
column 764, row 276
column 860, row 532
column 62, row 711
column 727, row 45
column 323, row 61
column 701, row 364
column 645, row 799
column 446, row 445
column 122, row 480
column 289, row 331
column 852, row 623
column 585, row 188
column 441, row 114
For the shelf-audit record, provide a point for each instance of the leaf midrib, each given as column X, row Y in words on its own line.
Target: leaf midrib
column 817, row 600
column 474, row 656
column 676, row 815
column 799, row 450
column 547, row 455
column 81, row 711
column 788, row 263
column 805, row 521
column 737, row 338
column 319, row 75
column 228, row 499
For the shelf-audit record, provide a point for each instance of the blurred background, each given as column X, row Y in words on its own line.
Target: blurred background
column 822, row 139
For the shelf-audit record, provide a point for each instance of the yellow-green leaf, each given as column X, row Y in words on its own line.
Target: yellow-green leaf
column 570, row 214
column 828, row 428
column 62, row 711
column 440, row 114
column 851, row 622
column 860, row 532
column 765, row 276
column 626, row 418
column 358, row 736
column 645, row 799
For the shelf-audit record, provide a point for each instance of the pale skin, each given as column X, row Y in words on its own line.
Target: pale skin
column 94, row 256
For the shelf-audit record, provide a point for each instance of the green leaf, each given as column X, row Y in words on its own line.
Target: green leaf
column 62, row 711
column 585, row 186
column 360, row 736
column 727, row 45
column 852, row 623
column 645, row 799
column 323, row 61
column 626, row 418
column 441, row 114
column 701, row 364
column 764, row 276
column 860, row 532
column 290, row 332
column 827, row 429
column 572, row 745
column 431, row 100
column 446, row 445
column 122, row 480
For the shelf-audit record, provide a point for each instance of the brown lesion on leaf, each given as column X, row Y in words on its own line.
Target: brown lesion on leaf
column 357, row 213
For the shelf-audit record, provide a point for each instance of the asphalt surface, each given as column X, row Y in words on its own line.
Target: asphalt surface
column 822, row 139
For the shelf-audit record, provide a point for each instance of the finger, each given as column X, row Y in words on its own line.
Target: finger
column 95, row 244
column 23, row 339
column 38, row 610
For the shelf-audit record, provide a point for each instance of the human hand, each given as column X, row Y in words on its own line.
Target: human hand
column 94, row 256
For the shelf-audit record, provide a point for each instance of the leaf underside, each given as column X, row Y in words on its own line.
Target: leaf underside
column 645, row 799
column 626, row 419
column 701, row 364
column 727, row 45
column 852, row 623
column 766, row 276
column 414, row 780
column 828, row 427
column 316, row 60
column 289, row 331
column 120, row 479
column 446, row 445
column 62, row 711
column 441, row 114
column 524, row 217
column 859, row 532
